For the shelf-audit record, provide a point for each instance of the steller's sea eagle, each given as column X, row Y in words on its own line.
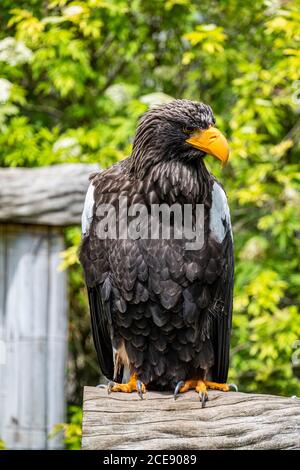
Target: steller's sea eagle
column 161, row 311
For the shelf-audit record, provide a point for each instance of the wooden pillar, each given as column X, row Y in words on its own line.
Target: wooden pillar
column 35, row 206
column 33, row 328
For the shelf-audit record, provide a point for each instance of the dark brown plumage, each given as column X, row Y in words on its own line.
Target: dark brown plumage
column 163, row 309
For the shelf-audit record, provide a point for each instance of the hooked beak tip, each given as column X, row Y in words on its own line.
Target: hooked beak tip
column 212, row 142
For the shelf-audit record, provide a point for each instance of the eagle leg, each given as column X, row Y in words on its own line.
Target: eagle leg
column 133, row 385
column 198, row 385
column 221, row 387
column 201, row 386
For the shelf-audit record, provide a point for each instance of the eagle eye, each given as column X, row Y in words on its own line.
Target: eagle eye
column 188, row 130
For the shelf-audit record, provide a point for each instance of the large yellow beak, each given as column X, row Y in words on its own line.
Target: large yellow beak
column 211, row 141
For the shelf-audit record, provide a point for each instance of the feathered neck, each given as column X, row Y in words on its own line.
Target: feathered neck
column 176, row 180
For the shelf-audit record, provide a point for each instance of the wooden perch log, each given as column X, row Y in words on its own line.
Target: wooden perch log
column 229, row 421
column 52, row 195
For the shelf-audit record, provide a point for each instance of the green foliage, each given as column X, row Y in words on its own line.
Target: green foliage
column 2, row 445
column 71, row 430
column 75, row 76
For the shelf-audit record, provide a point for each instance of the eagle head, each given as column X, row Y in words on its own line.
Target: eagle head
column 181, row 129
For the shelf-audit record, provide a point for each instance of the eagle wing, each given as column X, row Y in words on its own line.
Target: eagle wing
column 220, row 231
column 100, row 319
column 93, row 259
column 221, row 324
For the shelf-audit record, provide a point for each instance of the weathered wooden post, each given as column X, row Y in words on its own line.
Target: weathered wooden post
column 122, row 421
column 35, row 205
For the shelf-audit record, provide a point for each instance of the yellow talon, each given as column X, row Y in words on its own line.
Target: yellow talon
column 201, row 386
column 133, row 385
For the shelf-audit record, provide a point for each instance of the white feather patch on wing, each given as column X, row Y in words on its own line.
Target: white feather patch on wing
column 219, row 221
column 87, row 214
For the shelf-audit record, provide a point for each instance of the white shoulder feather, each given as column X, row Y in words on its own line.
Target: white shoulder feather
column 87, row 214
column 219, row 222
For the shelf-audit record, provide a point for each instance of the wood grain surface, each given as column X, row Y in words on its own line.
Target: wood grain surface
column 51, row 195
column 229, row 421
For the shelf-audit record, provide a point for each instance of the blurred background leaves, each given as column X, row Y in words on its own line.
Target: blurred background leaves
column 75, row 77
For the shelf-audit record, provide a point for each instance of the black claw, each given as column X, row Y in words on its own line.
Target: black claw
column 110, row 386
column 139, row 386
column 233, row 388
column 203, row 398
column 177, row 388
